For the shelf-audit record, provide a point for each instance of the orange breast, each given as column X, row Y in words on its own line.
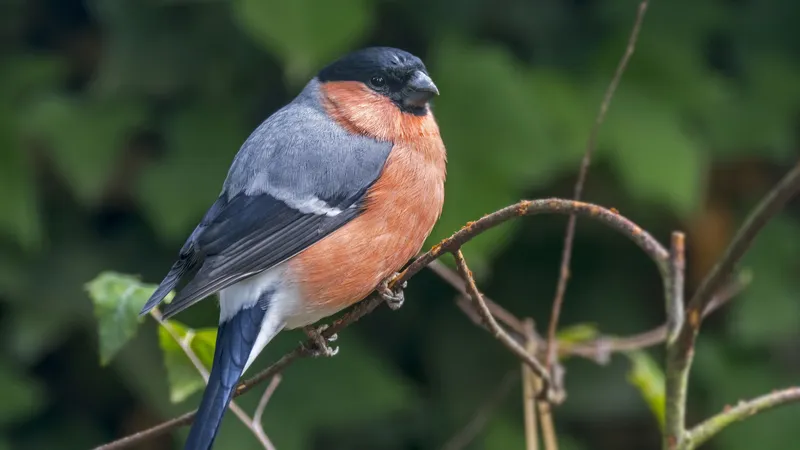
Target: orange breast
column 401, row 210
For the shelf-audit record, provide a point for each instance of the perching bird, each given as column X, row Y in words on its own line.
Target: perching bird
column 328, row 197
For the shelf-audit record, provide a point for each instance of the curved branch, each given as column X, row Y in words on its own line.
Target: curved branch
column 613, row 219
column 644, row 240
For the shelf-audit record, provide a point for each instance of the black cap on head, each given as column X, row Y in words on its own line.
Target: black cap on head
column 392, row 72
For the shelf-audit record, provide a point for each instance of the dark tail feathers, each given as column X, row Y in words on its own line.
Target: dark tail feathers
column 235, row 340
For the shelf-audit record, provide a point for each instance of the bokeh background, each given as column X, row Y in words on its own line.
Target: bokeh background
column 118, row 120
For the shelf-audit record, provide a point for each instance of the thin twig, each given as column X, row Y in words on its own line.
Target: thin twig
column 498, row 332
column 185, row 345
column 600, row 348
column 644, row 240
column 482, row 415
column 569, row 237
column 548, row 426
column 452, row 278
column 613, row 219
column 674, row 288
column 257, row 422
column 710, row 427
column 529, row 390
column 262, row 404
column 681, row 352
column 772, row 203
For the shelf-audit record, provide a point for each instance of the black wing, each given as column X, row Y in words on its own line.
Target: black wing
column 242, row 237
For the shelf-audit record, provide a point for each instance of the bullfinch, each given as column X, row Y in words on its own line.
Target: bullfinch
column 327, row 198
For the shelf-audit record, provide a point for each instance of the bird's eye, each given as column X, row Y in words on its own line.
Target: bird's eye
column 377, row 81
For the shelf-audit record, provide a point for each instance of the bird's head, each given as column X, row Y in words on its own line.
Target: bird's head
column 391, row 73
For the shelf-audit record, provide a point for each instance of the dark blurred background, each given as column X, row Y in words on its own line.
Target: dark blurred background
column 118, row 120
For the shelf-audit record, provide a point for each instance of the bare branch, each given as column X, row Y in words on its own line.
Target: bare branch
column 644, row 240
column 681, row 352
column 262, row 404
column 673, row 288
column 257, row 422
column 569, row 238
column 529, row 389
column 478, row 422
column 498, row 332
column 601, row 348
column 452, row 278
column 768, row 208
column 150, row 433
column 185, row 345
column 548, row 426
column 710, row 427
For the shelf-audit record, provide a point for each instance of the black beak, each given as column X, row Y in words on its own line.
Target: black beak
column 419, row 90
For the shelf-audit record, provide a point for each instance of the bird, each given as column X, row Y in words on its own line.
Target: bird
column 329, row 197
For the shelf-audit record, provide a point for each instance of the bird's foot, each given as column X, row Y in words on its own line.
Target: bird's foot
column 394, row 298
column 320, row 345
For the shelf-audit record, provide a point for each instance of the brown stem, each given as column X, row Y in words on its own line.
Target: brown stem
column 524, row 208
column 529, row 389
column 710, row 427
column 676, row 382
column 498, row 332
column 681, row 352
column 569, row 237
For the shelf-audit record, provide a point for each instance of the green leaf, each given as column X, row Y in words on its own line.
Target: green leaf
column 85, row 136
column 646, row 375
column 202, row 141
column 304, row 33
column 580, row 332
column 117, row 299
column 184, row 379
column 22, row 396
column 656, row 159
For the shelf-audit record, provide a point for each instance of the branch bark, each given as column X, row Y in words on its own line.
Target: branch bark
column 674, row 288
column 529, row 359
column 644, row 240
column 710, row 427
column 529, row 389
column 680, row 352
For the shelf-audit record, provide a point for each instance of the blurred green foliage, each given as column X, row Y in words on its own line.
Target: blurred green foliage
column 118, row 121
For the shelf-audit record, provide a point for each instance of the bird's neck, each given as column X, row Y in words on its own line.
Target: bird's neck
column 362, row 111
